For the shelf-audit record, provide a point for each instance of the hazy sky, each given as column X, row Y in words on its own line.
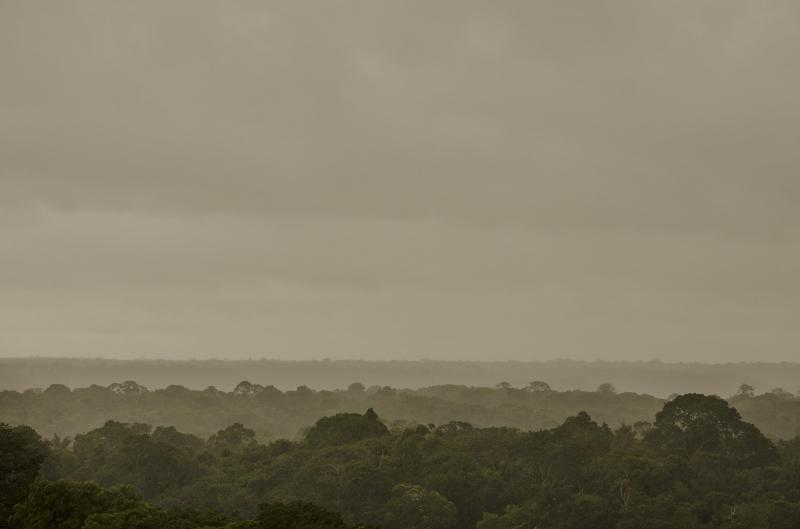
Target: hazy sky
column 455, row 180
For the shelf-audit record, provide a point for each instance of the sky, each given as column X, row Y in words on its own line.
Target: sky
column 400, row 179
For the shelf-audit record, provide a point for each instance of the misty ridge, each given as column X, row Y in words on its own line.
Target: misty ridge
column 279, row 399
column 284, row 412
column 660, row 379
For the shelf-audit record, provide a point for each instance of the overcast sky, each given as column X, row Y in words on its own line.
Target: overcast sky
column 381, row 180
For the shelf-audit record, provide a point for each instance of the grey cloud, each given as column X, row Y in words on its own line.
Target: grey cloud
column 400, row 179
column 128, row 284
column 630, row 113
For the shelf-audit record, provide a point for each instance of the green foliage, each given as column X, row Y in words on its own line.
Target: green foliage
column 698, row 465
column 418, row 507
column 240, row 524
column 344, row 428
column 22, row 452
column 86, row 505
column 144, row 517
column 272, row 413
column 695, row 423
column 68, row 504
column 234, row 438
column 297, row 515
column 129, row 453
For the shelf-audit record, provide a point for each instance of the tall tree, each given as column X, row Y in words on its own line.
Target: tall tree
column 22, row 452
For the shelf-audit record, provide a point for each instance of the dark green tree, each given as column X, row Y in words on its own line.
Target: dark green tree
column 68, row 504
column 22, row 452
column 345, row 428
column 297, row 515
column 418, row 507
column 232, row 439
column 693, row 422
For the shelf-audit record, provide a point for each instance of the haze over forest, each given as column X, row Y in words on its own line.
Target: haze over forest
column 450, row 180
column 658, row 379
column 408, row 264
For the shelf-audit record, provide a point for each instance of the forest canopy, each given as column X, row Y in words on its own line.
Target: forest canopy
column 275, row 414
column 696, row 463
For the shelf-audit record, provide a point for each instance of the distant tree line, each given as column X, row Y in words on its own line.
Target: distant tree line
column 653, row 377
column 276, row 414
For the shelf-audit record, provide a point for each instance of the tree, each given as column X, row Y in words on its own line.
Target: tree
column 513, row 517
column 232, row 439
column 566, row 453
column 345, row 428
column 22, row 453
column 297, row 515
column 781, row 394
column 59, row 443
column 270, row 395
column 98, row 446
column 128, row 388
column 356, row 388
column 140, row 517
column 607, row 388
column 57, row 391
column 746, row 391
column 459, row 477
column 85, row 505
column 247, row 389
column 126, row 453
column 538, row 385
column 420, row 508
column 151, row 466
column 68, row 504
column 170, row 436
column 693, row 422
column 303, row 392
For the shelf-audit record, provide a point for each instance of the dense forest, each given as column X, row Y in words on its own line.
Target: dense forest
column 695, row 463
column 275, row 414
